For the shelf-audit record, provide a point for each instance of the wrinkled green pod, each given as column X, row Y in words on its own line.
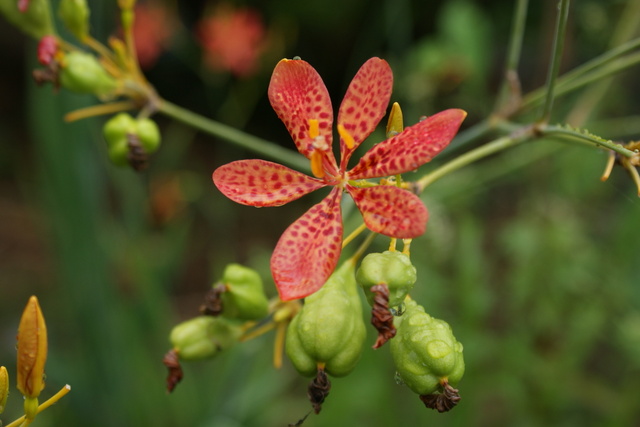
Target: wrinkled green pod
column 425, row 351
column 244, row 297
column 329, row 328
column 391, row 268
column 203, row 337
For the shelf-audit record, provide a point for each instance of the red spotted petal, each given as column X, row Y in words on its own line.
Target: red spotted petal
column 391, row 211
column 412, row 148
column 298, row 94
column 365, row 103
column 261, row 183
column 308, row 251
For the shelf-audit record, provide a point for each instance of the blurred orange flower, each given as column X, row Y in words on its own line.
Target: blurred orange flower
column 232, row 39
column 152, row 29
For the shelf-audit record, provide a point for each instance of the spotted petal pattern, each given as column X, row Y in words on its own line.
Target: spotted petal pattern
column 365, row 103
column 308, row 251
column 298, row 94
column 391, row 211
column 410, row 149
column 261, row 183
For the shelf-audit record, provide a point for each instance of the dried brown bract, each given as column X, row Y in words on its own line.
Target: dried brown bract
column 442, row 402
column 172, row 362
column 381, row 316
column 318, row 390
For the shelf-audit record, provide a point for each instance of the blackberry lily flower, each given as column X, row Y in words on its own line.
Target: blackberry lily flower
column 309, row 249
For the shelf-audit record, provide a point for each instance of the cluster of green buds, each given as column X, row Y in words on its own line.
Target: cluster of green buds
column 428, row 357
column 111, row 73
column 32, row 357
column 327, row 335
column 237, row 298
column 130, row 141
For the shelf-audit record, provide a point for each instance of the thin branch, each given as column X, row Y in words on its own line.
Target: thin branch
column 554, row 66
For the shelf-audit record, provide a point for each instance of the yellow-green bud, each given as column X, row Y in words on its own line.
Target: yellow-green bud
column 425, row 351
column 329, row 328
column 391, row 268
column 4, row 387
column 244, row 297
column 75, row 15
column 203, row 337
column 35, row 21
column 83, row 73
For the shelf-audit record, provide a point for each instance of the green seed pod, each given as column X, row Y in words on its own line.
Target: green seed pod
column 82, row 73
column 75, row 16
column 425, row 351
column 244, row 296
column 115, row 133
column 329, row 328
column 35, row 21
column 149, row 135
column 391, row 268
column 203, row 337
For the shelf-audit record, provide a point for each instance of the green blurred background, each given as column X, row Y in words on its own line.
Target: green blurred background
column 530, row 258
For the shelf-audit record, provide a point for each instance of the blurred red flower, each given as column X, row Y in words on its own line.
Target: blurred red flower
column 152, row 29
column 232, row 39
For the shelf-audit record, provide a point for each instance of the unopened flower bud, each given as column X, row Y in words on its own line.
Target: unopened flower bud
column 47, row 49
column 4, row 387
column 395, row 124
column 35, row 20
column 329, row 329
column 75, row 15
column 203, row 337
column 393, row 269
column 425, row 352
column 32, row 350
column 244, row 296
column 83, row 73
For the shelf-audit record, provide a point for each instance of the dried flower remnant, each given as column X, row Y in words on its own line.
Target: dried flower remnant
column 319, row 390
column 233, row 40
column 308, row 251
column 442, row 402
column 381, row 317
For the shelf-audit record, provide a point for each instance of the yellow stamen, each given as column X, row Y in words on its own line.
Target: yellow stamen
column 316, row 163
column 278, row 346
column 314, row 128
column 346, row 137
column 609, row 167
column 407, row 247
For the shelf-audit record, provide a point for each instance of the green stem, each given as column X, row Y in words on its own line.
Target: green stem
column 554, row 66
column 573, row 135
column 569, row 83
column 513, row 55
column 237, row 137
column 471, row 157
